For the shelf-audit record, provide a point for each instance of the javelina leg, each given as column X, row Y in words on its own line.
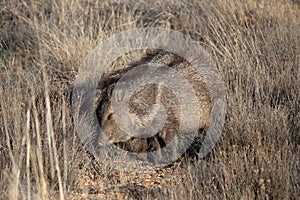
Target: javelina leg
column 136, row 145
column 165, row 146
column 154, row 150
column 171, row 143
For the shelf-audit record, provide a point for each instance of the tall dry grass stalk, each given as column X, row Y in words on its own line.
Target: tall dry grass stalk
column 28, row 145
column 42, row 185
column 51, row 138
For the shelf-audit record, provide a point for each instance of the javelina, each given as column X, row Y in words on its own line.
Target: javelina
column 142, row 105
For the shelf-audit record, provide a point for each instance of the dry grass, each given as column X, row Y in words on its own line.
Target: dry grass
column 255, row 44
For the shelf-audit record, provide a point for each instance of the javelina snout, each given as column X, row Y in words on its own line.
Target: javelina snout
column 145, row 105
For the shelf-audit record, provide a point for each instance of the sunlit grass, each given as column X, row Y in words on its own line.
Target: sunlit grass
column 255, row 44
